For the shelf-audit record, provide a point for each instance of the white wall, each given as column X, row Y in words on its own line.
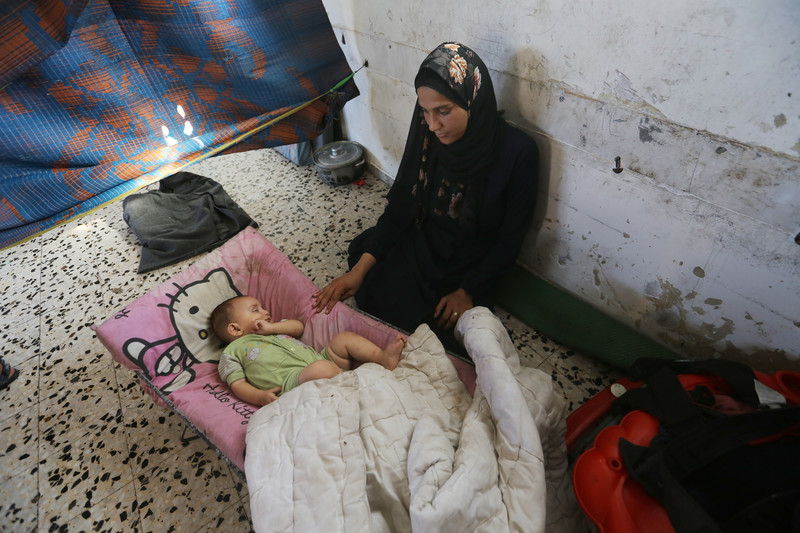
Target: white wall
column 693, row 243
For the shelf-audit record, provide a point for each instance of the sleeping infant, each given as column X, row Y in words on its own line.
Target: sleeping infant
column 264, row 359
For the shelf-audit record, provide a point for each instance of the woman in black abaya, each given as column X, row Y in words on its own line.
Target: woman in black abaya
column 457, row 212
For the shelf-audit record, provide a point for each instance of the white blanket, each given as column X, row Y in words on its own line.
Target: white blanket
column 410, row 450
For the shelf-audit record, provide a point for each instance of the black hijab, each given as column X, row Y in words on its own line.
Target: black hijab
column 456, row 72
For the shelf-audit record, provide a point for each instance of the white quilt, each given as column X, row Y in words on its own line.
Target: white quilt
column 410, row 450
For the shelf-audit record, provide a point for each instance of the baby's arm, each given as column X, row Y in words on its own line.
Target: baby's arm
column 247, row 392
column 292, row 327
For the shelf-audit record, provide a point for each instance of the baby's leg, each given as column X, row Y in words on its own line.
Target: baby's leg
column 348, row 347
column 322, row 369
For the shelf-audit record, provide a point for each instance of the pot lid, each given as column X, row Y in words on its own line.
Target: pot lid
column 338, row 154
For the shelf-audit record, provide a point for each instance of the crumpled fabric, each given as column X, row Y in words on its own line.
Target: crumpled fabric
column 189, row 215
column 375, row 450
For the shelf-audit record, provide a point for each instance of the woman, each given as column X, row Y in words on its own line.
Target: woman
column 457, row 212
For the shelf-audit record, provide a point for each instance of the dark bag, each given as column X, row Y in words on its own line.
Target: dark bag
column 721, row 461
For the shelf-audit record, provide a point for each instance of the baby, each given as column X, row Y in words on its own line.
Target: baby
column 264, row 358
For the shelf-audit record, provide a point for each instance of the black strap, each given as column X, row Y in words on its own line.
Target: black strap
column 740, row 376
column 662, row 468
column 663, row 396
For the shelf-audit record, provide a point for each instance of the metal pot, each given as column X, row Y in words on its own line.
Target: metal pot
column 339, row 162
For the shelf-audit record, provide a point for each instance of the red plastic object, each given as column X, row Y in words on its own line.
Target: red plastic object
column 613, row 501
column 786, row 382
column 609, row 498
column 589, row 413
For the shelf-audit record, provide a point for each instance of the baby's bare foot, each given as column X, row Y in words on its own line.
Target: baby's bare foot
column 391, row 355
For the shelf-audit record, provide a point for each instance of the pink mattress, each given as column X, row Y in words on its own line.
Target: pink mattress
column 165, row 336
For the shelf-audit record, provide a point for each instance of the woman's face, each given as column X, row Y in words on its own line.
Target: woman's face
column 444, row 117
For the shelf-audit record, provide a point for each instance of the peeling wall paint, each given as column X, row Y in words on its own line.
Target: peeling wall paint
column 670, row 141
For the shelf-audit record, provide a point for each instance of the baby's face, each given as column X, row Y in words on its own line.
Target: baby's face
column 248, row 313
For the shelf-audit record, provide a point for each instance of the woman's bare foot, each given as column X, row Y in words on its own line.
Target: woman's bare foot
column 391, row 354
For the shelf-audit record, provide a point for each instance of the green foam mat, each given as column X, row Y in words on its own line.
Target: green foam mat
column 573, row 322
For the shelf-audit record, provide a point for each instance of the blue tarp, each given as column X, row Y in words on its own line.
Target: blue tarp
column 100, row 98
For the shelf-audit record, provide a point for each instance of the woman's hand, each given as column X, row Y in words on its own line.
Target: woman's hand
column 344, row 286
column 339, row 289
column 451, row 307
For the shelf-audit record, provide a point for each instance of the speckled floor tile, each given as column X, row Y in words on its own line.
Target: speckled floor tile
column 19, row 442
column 527, row 342
column 19, row 504
column 117, row 260
column 310, row 248
column 194, row 483
column 153, row 433
column 234, row 518
column 590, row 375
column 24, row 392
column 266, row 202
column 254, row 164
column 67, row 339
column 20, row 341
column 85, row 404
column 80, row 473
column 118, row 291
column 348, row 205
column 20, row 279
column 575, row 396
column 69, row 267
column 244, row 495
column 325, row 265
column 116, row 512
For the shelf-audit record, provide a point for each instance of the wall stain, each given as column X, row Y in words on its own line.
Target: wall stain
column 646, row 130
column 669, row 312
column 767, row 361
column 780, row 120
column 716, row 333
column 748, row 316
column 699, row 272
column 650, row 174
column 706, row 341
column 670, row 295
column 759, row 324
column 623, row 93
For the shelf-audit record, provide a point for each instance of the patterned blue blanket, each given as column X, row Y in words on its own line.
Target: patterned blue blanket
column 100, row 98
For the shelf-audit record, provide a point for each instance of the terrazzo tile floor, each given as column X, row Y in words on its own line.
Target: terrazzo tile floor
column 82, row 448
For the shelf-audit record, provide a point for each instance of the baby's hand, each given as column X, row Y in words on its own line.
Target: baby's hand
column 270, row 395
column 263, row 327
